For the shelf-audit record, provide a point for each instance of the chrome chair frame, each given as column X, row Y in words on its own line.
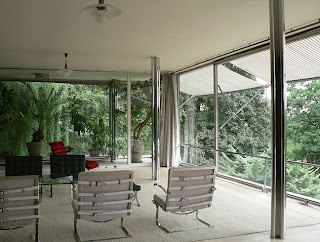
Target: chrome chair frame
column 182, row 199
column 100, row 202
column 4, row 199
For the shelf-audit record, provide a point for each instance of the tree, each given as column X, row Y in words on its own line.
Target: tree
column 249, row 132
column 141, row 113
column 304, row 121
column 303, row 180
column 14, row 118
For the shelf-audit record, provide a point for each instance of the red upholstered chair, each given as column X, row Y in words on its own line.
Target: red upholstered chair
column 91, row 164
column 58, row 148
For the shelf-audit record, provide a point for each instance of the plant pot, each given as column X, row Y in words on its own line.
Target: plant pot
column 137, row 151
column 34, row 148
column 94, row 151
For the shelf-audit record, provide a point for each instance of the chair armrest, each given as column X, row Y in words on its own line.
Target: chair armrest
column 163, row 189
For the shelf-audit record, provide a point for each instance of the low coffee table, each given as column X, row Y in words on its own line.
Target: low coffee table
column 47, row 180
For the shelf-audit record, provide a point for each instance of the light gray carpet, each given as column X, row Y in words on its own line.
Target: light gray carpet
column 235, row 210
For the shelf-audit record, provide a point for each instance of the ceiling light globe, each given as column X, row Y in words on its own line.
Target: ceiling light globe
column 100, row 16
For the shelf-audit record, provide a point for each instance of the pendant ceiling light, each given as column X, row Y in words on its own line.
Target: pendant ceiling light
column 65, row 72
column 101, row 12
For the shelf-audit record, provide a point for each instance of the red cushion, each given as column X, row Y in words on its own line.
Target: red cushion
column 91, row 164
column 58, row 148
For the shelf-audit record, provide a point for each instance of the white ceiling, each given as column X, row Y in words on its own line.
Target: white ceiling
column 36, row 33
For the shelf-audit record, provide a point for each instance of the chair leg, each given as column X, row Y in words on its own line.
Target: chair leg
column 136, row 198
column 37, row 231
column 157, row 220
column 125, row 230
column 202, row 221
column 183, row 230
column 128, row 235
column 75, row 224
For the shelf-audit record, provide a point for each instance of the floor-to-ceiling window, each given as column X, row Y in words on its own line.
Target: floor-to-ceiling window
column 141, row 129
column 196, row 116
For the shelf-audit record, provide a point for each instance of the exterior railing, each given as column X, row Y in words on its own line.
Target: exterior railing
column 264, row 187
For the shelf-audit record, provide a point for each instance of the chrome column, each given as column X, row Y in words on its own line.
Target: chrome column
column 215, row 115
column 155, row 73
column 279, row 111
column 129, row 118
column 113, row 121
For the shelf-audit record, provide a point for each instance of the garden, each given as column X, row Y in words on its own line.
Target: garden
column 77, row 114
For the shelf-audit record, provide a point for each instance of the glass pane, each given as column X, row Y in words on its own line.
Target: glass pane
column 73, row 113
column 141, row 117
column 196, row 116
column 244, row 124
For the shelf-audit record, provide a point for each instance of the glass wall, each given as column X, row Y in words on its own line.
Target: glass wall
column 141, row 116
column 244, row 110
column 196, row 116
column 74, row 113
column 88, row 118
column 244, row 124
column 303, row 137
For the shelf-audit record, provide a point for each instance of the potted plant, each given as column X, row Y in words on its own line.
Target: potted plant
column 69, row 148
column 35, row 146
column 45, row 101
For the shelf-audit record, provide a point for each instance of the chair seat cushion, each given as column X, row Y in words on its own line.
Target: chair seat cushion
column 160, row 200
column 91, row 164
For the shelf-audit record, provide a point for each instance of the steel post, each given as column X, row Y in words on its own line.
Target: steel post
column 155, row 72
column 113, row 123
column 215, row 115
column 279, row 110
column 129, row 118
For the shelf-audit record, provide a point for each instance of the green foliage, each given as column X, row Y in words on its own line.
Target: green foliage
column 14, row 118
column 69, row 148
column 233, row 164
column 303, row 180
column 249, row 132
column 26, row 108
column 140, row 111
column 45, row 106
column 99, row 131
column 303, row 129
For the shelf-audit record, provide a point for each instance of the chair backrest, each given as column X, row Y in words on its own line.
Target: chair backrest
column 105, row 196
column 66, row 165
column 58, row 148
column 190, row 188
column 24, row 165
column 19, row 201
